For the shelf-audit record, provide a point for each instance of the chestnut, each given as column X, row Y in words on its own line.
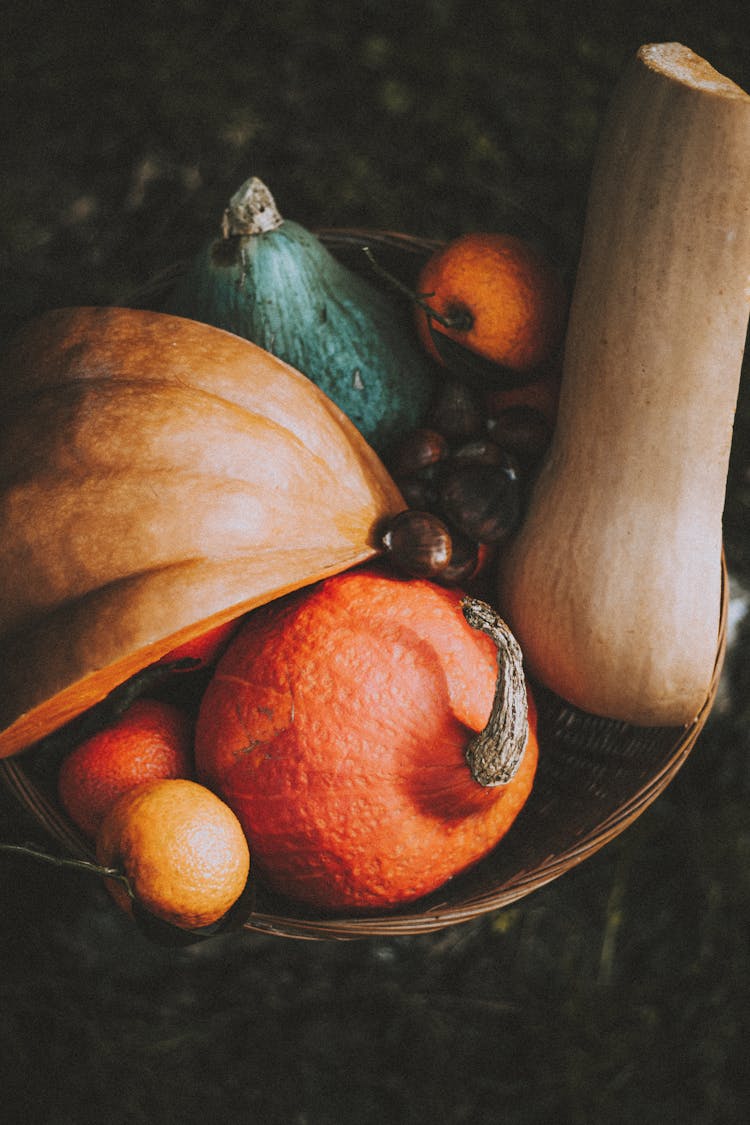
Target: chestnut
column 456, row 411
column 417, row 543
column 479, row 451
column 521, row 430
column 482, row 501
column 463, row 563
column 418, row 491
column 417, row 452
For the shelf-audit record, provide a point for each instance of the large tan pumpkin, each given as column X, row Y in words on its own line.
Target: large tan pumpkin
column 157, row 477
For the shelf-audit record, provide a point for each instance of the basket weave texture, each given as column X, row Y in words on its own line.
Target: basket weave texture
column 595, row 775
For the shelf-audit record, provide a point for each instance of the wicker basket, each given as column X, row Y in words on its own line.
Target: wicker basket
column 595, row 776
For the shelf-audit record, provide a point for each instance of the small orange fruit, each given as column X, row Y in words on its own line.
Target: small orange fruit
column 151, row 739
column 542, row 395
column 499, row 296
column 206, row 648
column 181, row 848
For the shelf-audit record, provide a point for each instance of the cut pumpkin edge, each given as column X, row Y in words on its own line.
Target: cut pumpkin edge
column 74, row 658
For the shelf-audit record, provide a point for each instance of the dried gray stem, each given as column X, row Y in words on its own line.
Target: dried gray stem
column 68, row 861
column 494, row 754
column 252, row 210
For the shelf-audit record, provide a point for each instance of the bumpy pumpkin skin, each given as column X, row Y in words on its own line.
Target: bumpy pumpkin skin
column 335, row 727
column 285, row 291
column 157, row 478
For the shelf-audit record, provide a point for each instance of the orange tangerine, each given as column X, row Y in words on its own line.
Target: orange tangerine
column 206, row 648
column 541, row 395
column 181, row 848
column 151, row 739
column 495, row 294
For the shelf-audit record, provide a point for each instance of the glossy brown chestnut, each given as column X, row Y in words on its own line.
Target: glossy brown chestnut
column 418, row 491
column 417, row 543
column 479, row 451
column 521, row 430
column 482, row 501
column 456, row 412
column 417, row 452
column 463, row 563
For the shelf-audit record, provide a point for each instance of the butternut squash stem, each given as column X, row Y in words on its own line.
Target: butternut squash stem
column 494, row 754
column 459, row 321
column 68, row 861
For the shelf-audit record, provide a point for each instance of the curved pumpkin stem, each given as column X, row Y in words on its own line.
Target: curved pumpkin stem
column 494, row 754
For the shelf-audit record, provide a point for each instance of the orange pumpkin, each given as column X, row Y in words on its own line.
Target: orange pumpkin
column 337, row 726
column 158, row 477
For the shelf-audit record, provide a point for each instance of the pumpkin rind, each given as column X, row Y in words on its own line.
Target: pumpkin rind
column 157, row 477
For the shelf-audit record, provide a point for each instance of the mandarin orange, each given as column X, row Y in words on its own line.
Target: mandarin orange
column 542, row 395
column 206, row 648
column 496, row 295
column 181, row 848
column 151, row 739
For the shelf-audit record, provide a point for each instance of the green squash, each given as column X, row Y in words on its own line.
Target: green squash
column 275, row 283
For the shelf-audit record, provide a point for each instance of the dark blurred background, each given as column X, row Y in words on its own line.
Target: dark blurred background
column 617, row 994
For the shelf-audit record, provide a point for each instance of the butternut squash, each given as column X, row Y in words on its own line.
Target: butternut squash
column 157, row 477
column 612, row 586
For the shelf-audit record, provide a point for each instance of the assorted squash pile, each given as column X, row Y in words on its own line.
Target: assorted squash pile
column 265, row 540
column 201, row 510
